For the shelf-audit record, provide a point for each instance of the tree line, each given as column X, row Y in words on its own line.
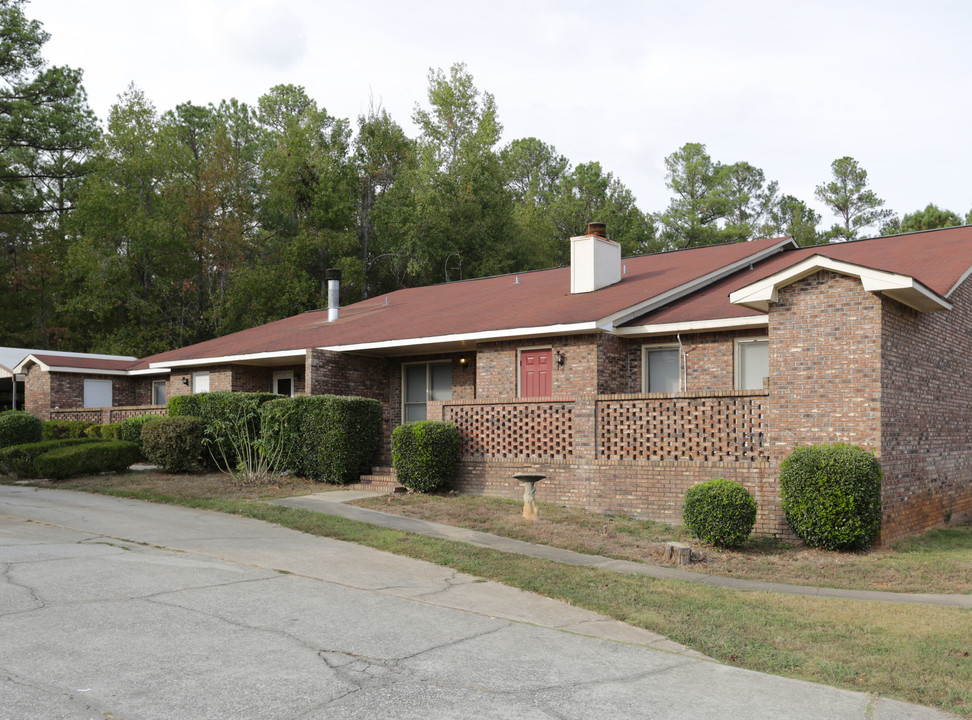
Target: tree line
column 161, row 229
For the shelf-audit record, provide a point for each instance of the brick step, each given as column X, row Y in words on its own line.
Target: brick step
column 381, row 479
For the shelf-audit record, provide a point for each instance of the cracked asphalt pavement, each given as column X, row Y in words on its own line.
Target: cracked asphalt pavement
column 119, row 609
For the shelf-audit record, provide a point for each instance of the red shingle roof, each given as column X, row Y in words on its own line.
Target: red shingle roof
column 540, row 298
column 936, row 258
column 83, row 363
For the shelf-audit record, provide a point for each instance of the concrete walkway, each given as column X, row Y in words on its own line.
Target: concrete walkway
column 332, row 503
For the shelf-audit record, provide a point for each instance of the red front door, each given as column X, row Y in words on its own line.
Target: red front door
column 535, row 380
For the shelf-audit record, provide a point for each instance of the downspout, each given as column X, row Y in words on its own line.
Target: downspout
column 681, row 351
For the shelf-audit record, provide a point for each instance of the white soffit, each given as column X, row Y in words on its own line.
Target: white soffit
column 903, row 288
column 484, row 336
column 693, row 326
column 225, row 359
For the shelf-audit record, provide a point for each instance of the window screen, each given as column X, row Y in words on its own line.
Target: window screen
column 753, row 364
column 662, row 370
column 97, row 393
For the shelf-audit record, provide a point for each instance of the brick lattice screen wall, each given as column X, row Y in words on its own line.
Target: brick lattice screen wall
column 514, row 430
column 728, row 428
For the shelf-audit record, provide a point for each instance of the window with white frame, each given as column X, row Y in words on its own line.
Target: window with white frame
column 422, row 383
column 97, row 393
column 200, row 382
column 752, row 363
column 662, row 369
column 158, row 392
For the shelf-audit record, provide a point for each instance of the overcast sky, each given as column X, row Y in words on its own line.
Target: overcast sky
column 786, row 86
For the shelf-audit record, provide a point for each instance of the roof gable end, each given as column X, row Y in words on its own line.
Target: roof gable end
column 903, row 288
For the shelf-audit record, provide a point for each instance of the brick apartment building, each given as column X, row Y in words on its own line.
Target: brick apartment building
column 628, row 380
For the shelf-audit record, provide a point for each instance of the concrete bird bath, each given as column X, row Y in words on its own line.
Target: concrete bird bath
column 529, row 481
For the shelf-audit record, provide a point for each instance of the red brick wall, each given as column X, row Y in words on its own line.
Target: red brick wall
column 825, row 368
column 37, row 392
column 825, row 364
column 654, row 491
column 926, row 423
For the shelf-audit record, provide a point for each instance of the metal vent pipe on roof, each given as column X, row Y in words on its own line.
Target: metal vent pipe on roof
column 598, row 229
column 333, row 278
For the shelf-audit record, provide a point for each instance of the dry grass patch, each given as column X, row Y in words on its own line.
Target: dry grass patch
column 936, row 562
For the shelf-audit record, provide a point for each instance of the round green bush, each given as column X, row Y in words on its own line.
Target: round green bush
column 18, row 427
column 831, row 496
column 425, row 455
column 174, row 444
column 720, row 512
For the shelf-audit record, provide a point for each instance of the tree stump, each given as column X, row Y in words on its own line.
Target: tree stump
column 678, row 553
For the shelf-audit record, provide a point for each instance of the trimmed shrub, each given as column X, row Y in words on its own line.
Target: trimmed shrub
column 831, row 496
column 720, row 512
column 130, row 430
column 19, row 459
column 329, row 438
column 61, row 429
column 426, row 455
column 94, row 431
column 184, row 405
column 18, row 427
column 111, row 431
column 228, row 417
column 86, row 459
column 174, row 444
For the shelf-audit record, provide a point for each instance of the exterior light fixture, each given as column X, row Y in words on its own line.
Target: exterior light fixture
column 561, row 358
column 463, row 361
column 185, row 381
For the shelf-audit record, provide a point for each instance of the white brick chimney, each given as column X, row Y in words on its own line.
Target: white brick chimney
column 595, row 261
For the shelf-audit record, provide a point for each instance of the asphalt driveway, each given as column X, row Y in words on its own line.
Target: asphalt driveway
column 113, row 608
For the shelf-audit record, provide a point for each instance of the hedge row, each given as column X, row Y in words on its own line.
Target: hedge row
column 322, row 437
column 227, row 416
column 329, row 438
column 86, row 459
column 19, row 459
column 64, row 429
